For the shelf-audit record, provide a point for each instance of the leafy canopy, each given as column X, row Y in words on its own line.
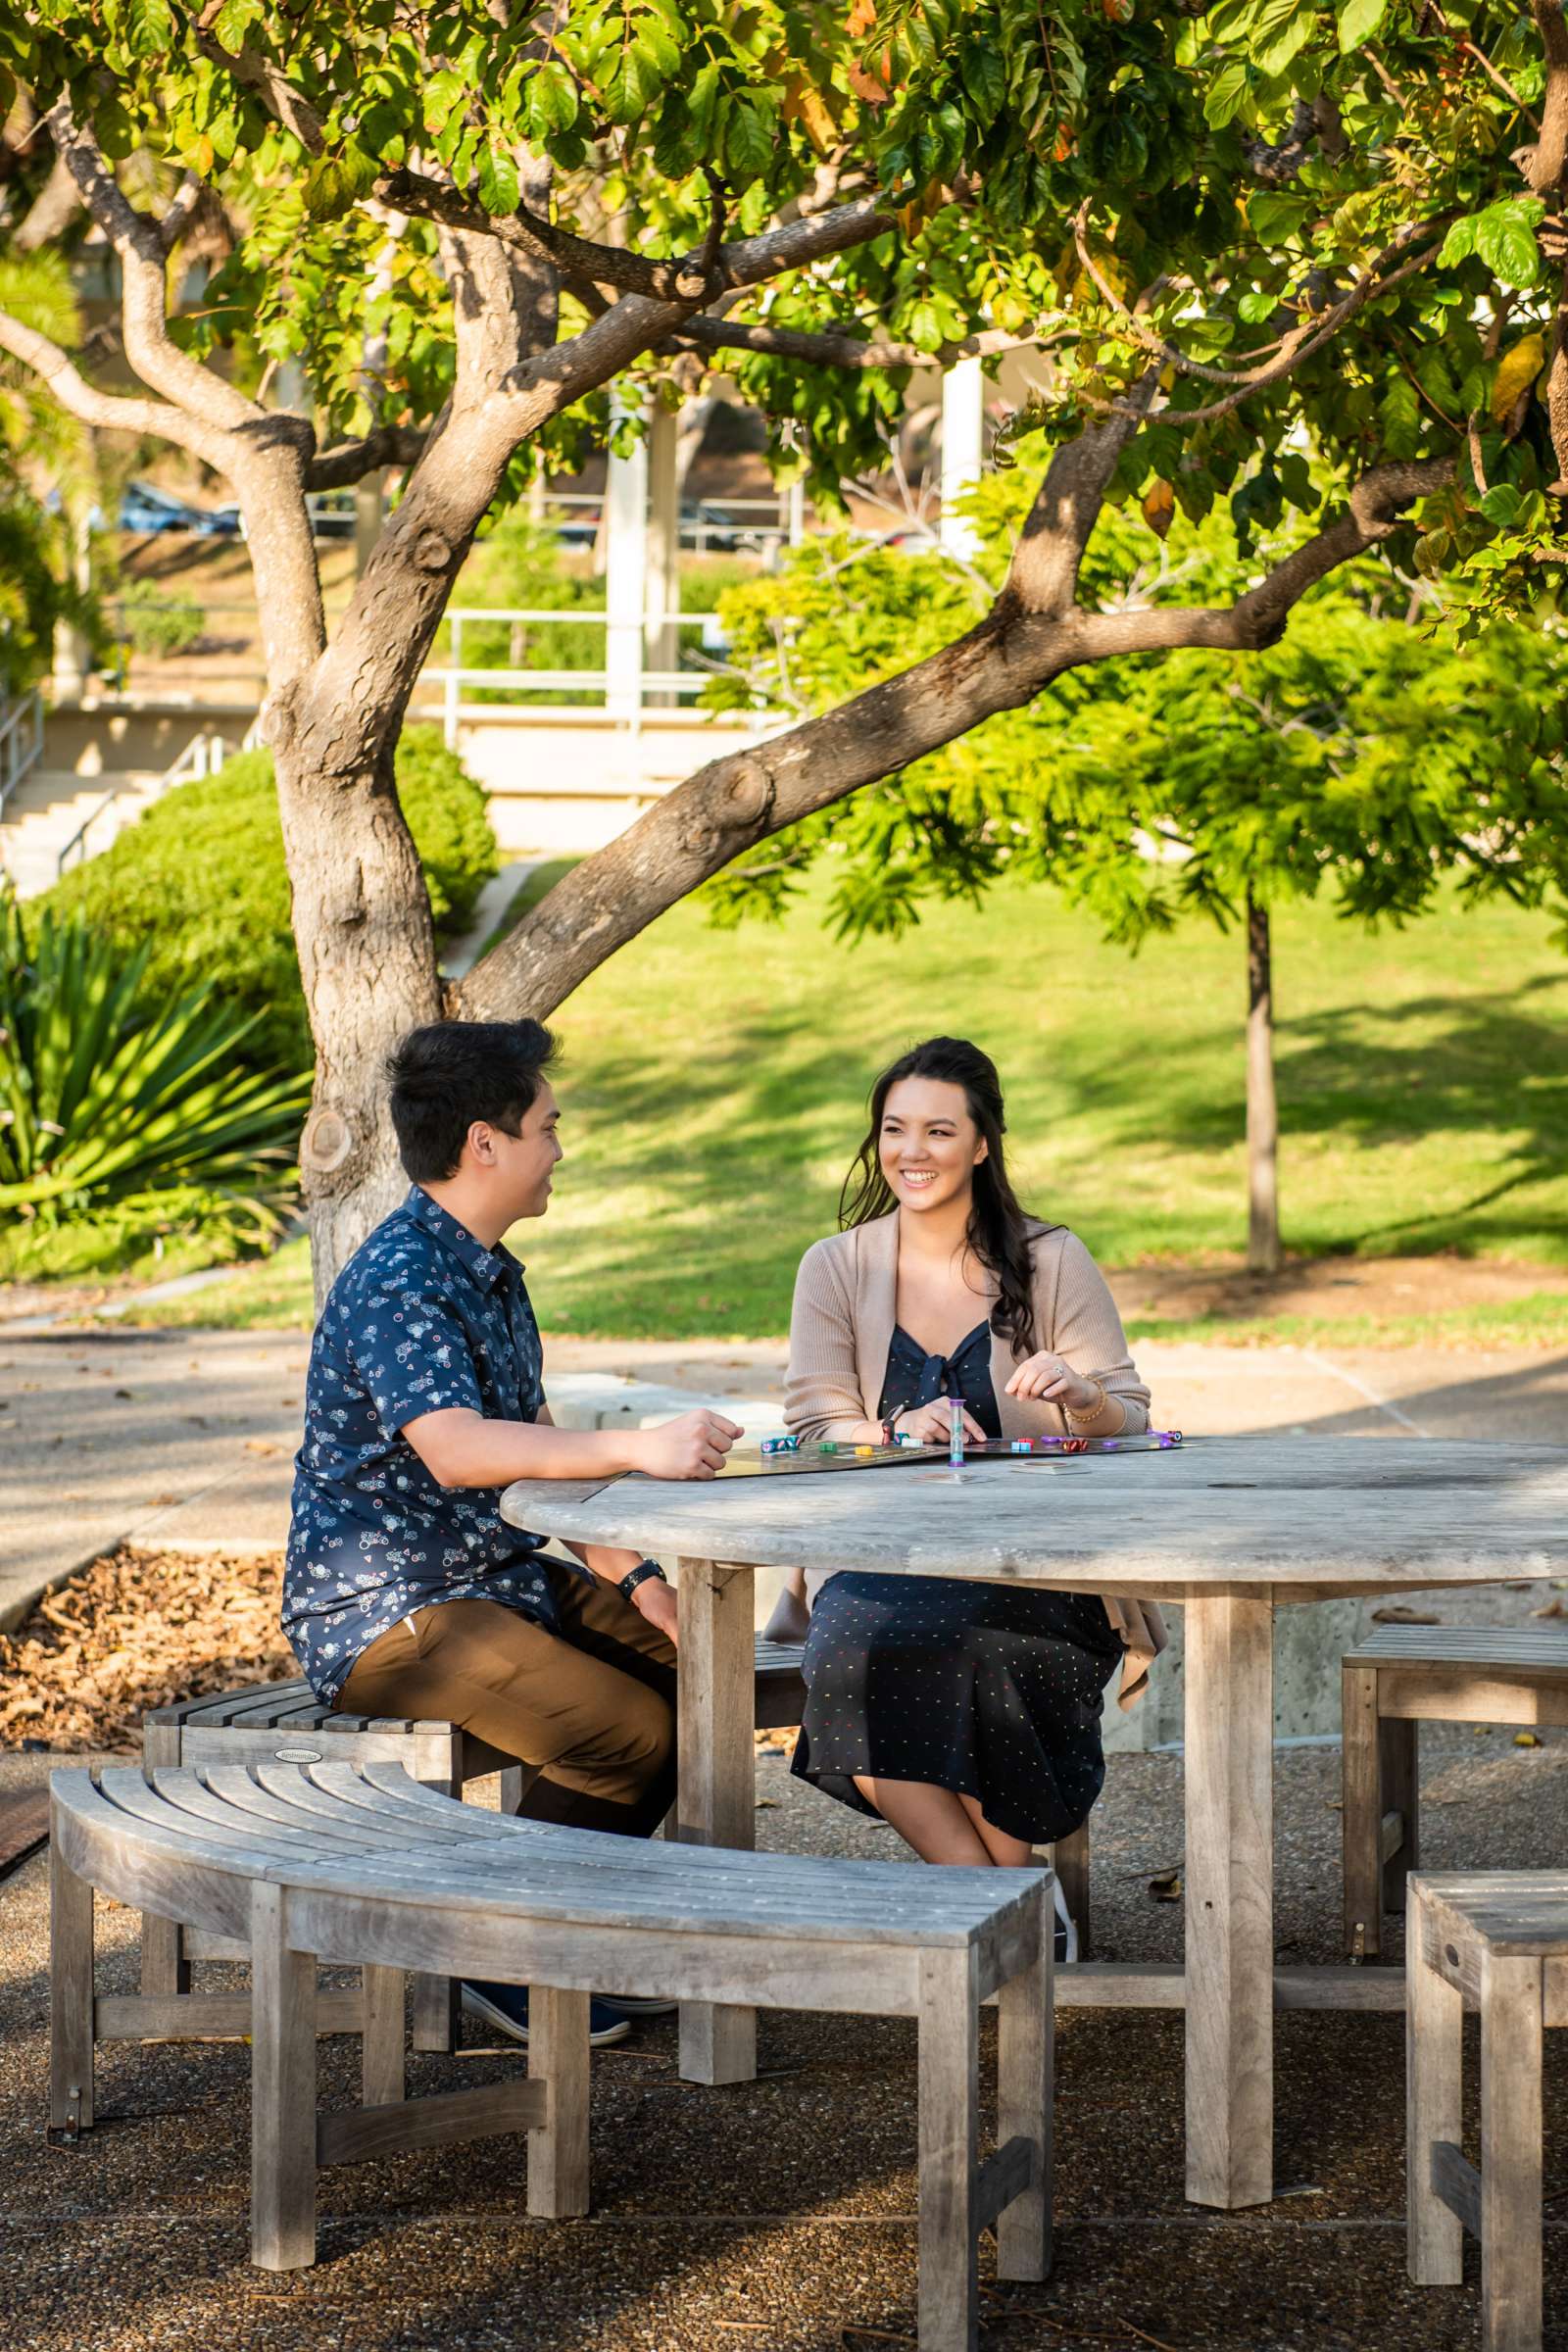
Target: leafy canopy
column 1238, row 177
column 1367, row 753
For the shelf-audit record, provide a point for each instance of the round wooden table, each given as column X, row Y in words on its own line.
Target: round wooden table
column 1230, row 1528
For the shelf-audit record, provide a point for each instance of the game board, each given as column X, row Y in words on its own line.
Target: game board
column 776, row 1457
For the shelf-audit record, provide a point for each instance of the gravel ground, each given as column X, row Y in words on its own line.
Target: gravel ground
column 780, row 2214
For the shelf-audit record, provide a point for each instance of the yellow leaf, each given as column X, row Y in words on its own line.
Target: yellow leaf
column 1159, row 506
column 1517, row 371
column 866, row 86
column 861, row 17
column 804, row 105
column 204, row 155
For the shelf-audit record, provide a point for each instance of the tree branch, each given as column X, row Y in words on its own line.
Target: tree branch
column 346, row 463
column 138, row 243
column 1311, row 337
column 1547, row 165
column 1297, row 345
column 831, row 348
column 108, row 412
column 264, row 81
column 1043, row 577
column 736, row 801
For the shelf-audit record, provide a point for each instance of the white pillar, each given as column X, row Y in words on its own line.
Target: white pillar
column 663, row 638
column 963, row 395
column 625, row 579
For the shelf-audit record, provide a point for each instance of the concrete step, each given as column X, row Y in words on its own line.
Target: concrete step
column 47, row 808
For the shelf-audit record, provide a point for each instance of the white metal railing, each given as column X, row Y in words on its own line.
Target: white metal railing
column 21, row 743
column 203, row 756
column 621, row 685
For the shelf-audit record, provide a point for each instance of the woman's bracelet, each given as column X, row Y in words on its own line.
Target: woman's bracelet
column 1094, row 1411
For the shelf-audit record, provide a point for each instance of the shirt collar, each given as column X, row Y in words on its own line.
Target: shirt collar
column 487, row 1266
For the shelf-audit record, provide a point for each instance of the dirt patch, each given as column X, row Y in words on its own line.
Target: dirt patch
column 138, row 1629
column 1350, row 1288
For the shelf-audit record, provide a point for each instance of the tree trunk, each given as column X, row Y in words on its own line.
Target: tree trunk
column 368, row 961
column 1262, row 1116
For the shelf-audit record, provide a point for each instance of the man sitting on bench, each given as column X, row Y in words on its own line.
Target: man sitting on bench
column 406, row 1593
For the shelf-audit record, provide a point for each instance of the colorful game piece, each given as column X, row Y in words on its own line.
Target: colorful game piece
column 781, row 1444
column 1020, row 1445
column 827, row 1445
column 866, row 1454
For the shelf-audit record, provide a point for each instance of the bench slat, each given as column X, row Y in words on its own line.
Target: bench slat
column 517, row 1867
column 1528, row 1649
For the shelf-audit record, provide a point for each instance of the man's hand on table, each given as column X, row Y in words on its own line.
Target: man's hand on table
column 694, row 1447
column 655, row 1601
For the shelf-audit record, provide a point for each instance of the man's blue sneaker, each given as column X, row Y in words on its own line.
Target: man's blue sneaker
column 505, row 2008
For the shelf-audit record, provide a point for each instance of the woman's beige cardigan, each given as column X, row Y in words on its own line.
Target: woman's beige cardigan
column 842, row 1328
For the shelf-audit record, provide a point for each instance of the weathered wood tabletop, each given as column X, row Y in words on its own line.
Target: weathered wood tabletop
column 1228, row 1526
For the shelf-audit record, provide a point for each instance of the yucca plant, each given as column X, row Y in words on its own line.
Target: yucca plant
column 110, row 1093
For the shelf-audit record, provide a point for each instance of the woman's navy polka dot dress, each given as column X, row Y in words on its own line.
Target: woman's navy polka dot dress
column 992, row 1690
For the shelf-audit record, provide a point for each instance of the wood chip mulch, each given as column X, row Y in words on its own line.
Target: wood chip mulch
column 138, row 1629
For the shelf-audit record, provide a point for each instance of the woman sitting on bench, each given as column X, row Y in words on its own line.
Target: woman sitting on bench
column 966, row 1715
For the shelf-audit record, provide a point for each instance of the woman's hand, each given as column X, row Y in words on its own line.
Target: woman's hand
column 1053, row 1381
column 931, row 1424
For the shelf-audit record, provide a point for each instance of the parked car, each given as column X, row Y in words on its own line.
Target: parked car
column 332, row 514
column 144, row 507
column 578, row 527
column 704, row 526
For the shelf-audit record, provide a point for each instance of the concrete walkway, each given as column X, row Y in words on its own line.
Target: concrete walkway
column 185, row 1439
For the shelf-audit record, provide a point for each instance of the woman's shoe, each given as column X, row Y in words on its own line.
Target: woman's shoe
column 1066, row 1927
column 505, row 2008
column 625, row 2004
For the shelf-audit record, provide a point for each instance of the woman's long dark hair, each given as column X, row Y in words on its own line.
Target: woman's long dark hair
column 998, row 1231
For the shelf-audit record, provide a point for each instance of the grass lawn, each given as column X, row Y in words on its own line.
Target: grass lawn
column 714, row 1087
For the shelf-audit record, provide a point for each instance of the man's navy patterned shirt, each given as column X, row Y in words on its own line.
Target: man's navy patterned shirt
column 421, row 1317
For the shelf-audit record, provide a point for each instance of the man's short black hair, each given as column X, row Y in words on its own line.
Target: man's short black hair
column 449, row 1074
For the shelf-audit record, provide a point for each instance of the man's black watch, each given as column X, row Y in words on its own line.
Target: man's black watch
column 639, row 1576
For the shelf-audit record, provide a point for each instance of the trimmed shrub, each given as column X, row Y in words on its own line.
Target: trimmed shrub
column 200, row 885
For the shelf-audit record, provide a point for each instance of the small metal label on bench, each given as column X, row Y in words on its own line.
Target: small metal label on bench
column 297, row 1755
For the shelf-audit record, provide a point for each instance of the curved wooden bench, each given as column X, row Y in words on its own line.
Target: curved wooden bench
column 285, row 1722
column 361, row 1865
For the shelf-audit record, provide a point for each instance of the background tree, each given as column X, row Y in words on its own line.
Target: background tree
column 1372, row 753
column 1234, row 230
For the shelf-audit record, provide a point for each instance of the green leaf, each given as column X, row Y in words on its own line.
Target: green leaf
column 1505, row 240
column 985, row 78
column 1227, row 95
column 553, row 97
column 149, row 27
column 498, row 186
column 1358, row 21
column 234, row 21
column 748, row 143
column 1459, row 243
column 1501, row 505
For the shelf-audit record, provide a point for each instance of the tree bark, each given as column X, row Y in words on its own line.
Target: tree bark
column 1262, row 1113
column 367, row 963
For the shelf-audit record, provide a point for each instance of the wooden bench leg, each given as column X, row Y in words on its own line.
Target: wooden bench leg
column 435, row 2007
column 558, row 2145
column 70, row 1992
column 1510, row 2154
column 1361, row 1813
column 948, row 2100
column 1399, row 1772
column 283, row 2091
column 1434, row 2049
column 165, row 1967
column 1025, row 2052
column 1070, row 1859
column 381, row 2064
